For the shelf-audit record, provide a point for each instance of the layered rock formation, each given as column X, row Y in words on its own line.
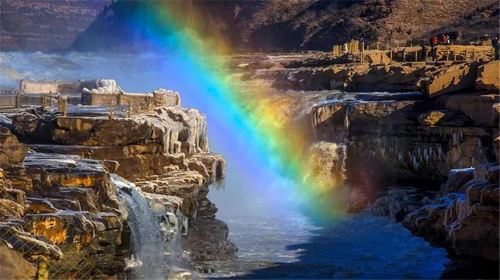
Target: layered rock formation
column 465, row 218
column 60, row 206
column 443, row 117
column 67, row 214
column 45, row 25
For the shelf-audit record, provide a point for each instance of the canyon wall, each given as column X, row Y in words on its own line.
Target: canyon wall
column 45, row 25
column 264, row 25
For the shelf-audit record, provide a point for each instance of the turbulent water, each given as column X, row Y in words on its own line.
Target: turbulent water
column 148, row 240
column 263, row 220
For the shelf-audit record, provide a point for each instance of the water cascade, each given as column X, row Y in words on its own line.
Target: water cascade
column 155, row 235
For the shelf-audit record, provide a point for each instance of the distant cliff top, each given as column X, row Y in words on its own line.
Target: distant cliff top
column 258, row 25
column 45, row 25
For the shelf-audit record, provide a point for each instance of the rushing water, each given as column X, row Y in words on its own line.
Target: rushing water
column 148, row 240
column 263, row 219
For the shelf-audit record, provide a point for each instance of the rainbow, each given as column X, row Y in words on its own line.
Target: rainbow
column 264, row 150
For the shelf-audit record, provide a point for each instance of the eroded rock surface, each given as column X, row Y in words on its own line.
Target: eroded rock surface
column 464, row 221
column 61, row 199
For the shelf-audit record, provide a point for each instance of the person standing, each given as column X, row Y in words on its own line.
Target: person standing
column 495, row 44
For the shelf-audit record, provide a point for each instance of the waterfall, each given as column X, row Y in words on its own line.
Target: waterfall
column 155, row 236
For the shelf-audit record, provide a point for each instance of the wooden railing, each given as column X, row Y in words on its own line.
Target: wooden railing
column 413, row 53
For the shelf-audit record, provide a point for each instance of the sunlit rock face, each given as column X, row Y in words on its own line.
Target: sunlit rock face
column 68, row 215
column 488, row 76
column 68, row 204
column 164, row 151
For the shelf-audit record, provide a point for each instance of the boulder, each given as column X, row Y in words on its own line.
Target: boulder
column 450, row 79
column 11, row 150
column 10, row 209
column 397, row 202
column 444, row 118
column 482, row 110
column 457, row 178
column 26, row 243
column 13, row 265
column 488, row 76
column 465, row 223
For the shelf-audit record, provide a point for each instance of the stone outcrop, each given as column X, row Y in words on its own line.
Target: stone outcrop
column 12, row 151
column 391, row 139
column 488, row 76
column 68, row 215
column 449, row 79
column 36, row 31
column 65, row 197
column 314, row 72
column 397, row 202
column 480, row 109
column 408, row 139
column 464, row 221
column 355, row 77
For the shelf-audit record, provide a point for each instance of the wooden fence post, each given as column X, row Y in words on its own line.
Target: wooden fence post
column 65, row 106
column 416, row 55
column 404, row 55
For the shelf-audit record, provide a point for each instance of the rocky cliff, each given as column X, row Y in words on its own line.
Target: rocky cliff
column 425, row 155
column 264, row 25
column 64, row 211
column 45, row 25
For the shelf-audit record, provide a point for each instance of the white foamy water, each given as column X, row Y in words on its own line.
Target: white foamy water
column 148, row 241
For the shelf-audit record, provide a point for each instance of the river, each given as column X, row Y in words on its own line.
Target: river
column 275, row 238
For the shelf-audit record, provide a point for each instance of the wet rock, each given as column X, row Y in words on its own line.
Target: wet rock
column 26, row 243
column 397, row 202
column 64, row 174
column 34, row 125
column 488, row 76
column 40, row 205
column 457, row 178
column 207, row 241
column 465, row 223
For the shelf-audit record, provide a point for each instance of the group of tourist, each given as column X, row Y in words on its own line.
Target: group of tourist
column 440, row 39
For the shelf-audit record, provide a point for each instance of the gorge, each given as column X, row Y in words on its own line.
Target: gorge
column 145, row 150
